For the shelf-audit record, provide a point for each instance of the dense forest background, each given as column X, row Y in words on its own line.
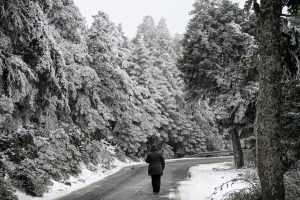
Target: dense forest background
column 72, row 94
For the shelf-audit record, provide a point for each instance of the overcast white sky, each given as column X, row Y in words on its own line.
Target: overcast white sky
column 130, row 13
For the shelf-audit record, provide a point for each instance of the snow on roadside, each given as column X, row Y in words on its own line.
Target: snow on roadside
column 206, row 177
column 86, row 178
column 194, row 158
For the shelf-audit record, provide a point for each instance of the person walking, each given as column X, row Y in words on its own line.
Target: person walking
column 156, row 167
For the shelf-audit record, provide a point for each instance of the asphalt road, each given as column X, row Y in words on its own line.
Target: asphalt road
column 133, row 183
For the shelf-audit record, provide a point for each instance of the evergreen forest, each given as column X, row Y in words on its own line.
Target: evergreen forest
column 73, row 95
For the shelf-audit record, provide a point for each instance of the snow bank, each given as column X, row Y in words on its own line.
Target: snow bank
column 206, row 177
column 86, row 178
column 193, row 158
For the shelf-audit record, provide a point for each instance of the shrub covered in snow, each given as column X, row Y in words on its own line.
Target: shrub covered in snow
column 251, row 191
column 6, row 193
column 28, row 177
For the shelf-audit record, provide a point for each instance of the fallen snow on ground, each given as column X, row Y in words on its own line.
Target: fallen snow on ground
column 86, row 178
column 190, row 188
column 205, row 178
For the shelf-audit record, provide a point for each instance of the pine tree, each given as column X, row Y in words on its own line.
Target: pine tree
column 166, row 88
column 139, row 71
column 214, row 65
column 148, row 30
column 111, row 60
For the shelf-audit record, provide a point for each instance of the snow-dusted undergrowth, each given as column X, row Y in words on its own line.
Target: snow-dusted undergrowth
column 204, row 179
column 86, row 178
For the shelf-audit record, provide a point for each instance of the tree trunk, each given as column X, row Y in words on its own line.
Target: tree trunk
column 267, row 123
column 237, row 148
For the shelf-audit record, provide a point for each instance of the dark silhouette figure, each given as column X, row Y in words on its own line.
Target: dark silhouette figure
column 156, row 166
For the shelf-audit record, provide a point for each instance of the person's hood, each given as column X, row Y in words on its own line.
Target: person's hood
column 154, row 148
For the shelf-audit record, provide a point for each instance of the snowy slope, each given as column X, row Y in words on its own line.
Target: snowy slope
column 86, row 178
column 205, row 178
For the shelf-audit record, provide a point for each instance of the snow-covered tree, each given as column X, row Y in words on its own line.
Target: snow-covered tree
column 157, row 58
column 215, row 65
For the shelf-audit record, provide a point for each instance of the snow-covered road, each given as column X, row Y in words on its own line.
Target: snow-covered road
column 134, row 183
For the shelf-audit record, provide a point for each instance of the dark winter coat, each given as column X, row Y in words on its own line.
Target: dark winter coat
column 156, row 163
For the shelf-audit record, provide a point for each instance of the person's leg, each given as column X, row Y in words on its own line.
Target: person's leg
column 159, row 177
column 153, row 182
column 156, row 183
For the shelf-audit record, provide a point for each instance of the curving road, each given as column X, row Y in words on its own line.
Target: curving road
column 133, row 183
